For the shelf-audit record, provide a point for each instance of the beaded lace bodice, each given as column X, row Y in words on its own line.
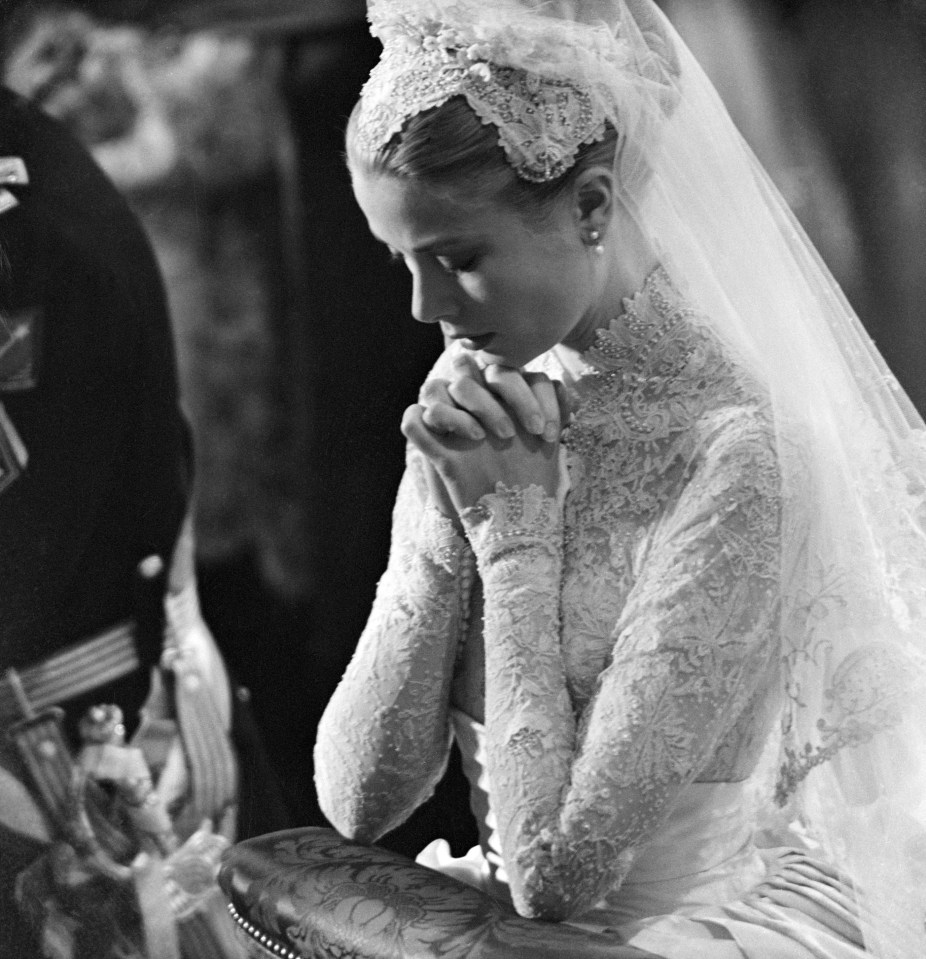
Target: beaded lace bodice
column 628, row 637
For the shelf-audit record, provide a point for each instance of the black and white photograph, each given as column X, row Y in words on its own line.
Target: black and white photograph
column 462, row 479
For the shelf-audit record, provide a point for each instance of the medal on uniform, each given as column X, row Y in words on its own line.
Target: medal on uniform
column 13, row 453
column 12, row 173
column 19, row 351
column 19, row 333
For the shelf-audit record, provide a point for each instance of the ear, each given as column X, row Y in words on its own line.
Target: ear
column 593, row 199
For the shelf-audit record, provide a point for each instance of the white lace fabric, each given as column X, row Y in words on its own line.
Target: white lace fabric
column 745, row 527
column 384, row 738
column 629, row 637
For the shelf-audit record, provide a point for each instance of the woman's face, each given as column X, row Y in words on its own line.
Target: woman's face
column 501, row 285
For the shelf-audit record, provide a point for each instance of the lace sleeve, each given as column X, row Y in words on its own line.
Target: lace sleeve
column 384, row 738
column 573, row 797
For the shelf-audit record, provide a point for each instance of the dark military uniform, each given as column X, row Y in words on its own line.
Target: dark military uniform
column 108, row 475
column 95, row 471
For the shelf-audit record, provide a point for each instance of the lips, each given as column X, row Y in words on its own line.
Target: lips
column 478, row 342
column 469, row 341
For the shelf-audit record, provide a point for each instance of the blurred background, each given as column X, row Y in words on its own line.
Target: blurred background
column 222, row 120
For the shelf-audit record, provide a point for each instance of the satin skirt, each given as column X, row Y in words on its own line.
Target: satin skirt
column 701, row 889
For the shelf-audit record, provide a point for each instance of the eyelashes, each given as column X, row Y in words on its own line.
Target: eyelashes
column 450, row 266
column 455, row 268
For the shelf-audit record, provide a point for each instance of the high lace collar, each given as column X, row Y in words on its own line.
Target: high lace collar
column 631, row 341
column 653, row 370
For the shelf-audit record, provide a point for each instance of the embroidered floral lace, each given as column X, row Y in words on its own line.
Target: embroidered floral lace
column 516, row 73
column 541, row 123
column 630, row 637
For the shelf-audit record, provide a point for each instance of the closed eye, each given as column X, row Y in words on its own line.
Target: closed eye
column 457, row 266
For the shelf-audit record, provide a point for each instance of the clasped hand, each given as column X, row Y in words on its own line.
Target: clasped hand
column 477, row 428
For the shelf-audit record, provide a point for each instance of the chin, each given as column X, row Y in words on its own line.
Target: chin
column 513, row 358
column 489, row 358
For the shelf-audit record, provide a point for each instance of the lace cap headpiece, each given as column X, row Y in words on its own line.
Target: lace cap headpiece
column 533, row 77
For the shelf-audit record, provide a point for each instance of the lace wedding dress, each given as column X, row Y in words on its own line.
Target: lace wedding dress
column 608, row 660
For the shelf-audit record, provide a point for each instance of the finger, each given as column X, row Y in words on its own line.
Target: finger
column 466, row 364
column 562, row 400
column 544, row 392
column 417, row 433
column 434, row 390
column 476, row 399
column 443, row 418
column 443, row 415
column 509, row 384
column 469, row 390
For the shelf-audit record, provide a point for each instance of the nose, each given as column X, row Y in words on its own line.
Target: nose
column 432, row 297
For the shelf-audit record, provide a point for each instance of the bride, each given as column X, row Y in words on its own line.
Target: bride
column 658, row 562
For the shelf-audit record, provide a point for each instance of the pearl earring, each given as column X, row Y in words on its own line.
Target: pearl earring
column 594, row 237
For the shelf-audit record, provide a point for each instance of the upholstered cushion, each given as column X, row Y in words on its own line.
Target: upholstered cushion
column 309, row 894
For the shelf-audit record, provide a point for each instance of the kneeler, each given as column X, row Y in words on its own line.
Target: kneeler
column 310, row 894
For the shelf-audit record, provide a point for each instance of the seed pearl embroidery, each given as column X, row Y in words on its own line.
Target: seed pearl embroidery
column 636, row 358
column 467, row 580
